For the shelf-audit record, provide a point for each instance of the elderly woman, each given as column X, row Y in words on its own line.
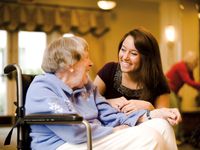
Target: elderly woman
column 65, row 88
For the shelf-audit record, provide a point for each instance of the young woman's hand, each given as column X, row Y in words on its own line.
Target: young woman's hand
column 172, row 115
column 134, row 105
column 117, row 103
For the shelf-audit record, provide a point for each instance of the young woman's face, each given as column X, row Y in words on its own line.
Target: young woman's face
column 81, row 70
column 129, row 57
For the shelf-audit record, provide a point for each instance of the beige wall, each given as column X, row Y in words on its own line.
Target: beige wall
column 190, row 41
column 126, row 16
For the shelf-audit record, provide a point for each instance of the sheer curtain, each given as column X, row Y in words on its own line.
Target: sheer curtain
column 49, row 18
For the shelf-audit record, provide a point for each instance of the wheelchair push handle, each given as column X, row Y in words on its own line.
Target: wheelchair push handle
column 12, row 67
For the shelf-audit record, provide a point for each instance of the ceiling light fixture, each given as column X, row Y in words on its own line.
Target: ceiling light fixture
column 70, row 34
column 170, row 33
column 106, row 4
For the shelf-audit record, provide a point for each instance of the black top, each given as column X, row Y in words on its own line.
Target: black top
column 112, row 77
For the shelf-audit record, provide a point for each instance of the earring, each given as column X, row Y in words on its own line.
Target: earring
column 71, row 70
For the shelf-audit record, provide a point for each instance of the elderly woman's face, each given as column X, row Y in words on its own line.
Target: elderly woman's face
column 81, row 70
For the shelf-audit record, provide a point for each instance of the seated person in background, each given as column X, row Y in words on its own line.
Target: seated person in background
column 182, row 73
column 137, row 80
column 65, row 88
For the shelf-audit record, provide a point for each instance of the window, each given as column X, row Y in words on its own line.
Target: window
column 31, row 48
column 3, row 49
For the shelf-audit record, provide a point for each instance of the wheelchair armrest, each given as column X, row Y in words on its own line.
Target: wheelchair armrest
column 59, row 119
column 53, row 119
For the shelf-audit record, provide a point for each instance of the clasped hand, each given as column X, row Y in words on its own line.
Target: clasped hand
column 172, row 115
column 129, row 106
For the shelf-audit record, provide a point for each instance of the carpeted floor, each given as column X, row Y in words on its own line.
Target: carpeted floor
column 5, row 130
column 3, row 133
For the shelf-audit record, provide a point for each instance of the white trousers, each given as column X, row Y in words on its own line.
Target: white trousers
column 154, row 134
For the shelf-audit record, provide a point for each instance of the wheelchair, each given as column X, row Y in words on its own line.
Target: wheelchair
column 23, row 121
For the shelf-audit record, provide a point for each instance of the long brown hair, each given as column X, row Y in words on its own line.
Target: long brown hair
column 151, row 73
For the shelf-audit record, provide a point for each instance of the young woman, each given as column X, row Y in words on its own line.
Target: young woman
column 137, row 80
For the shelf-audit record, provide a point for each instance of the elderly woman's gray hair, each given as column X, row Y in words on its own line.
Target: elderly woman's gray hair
column 191, row 59
column 63, row 52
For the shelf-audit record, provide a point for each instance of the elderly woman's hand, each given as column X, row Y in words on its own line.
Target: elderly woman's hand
column 120, row 127
column 172, row 115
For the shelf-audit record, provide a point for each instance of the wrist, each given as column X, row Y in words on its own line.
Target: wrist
column 148, row 115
